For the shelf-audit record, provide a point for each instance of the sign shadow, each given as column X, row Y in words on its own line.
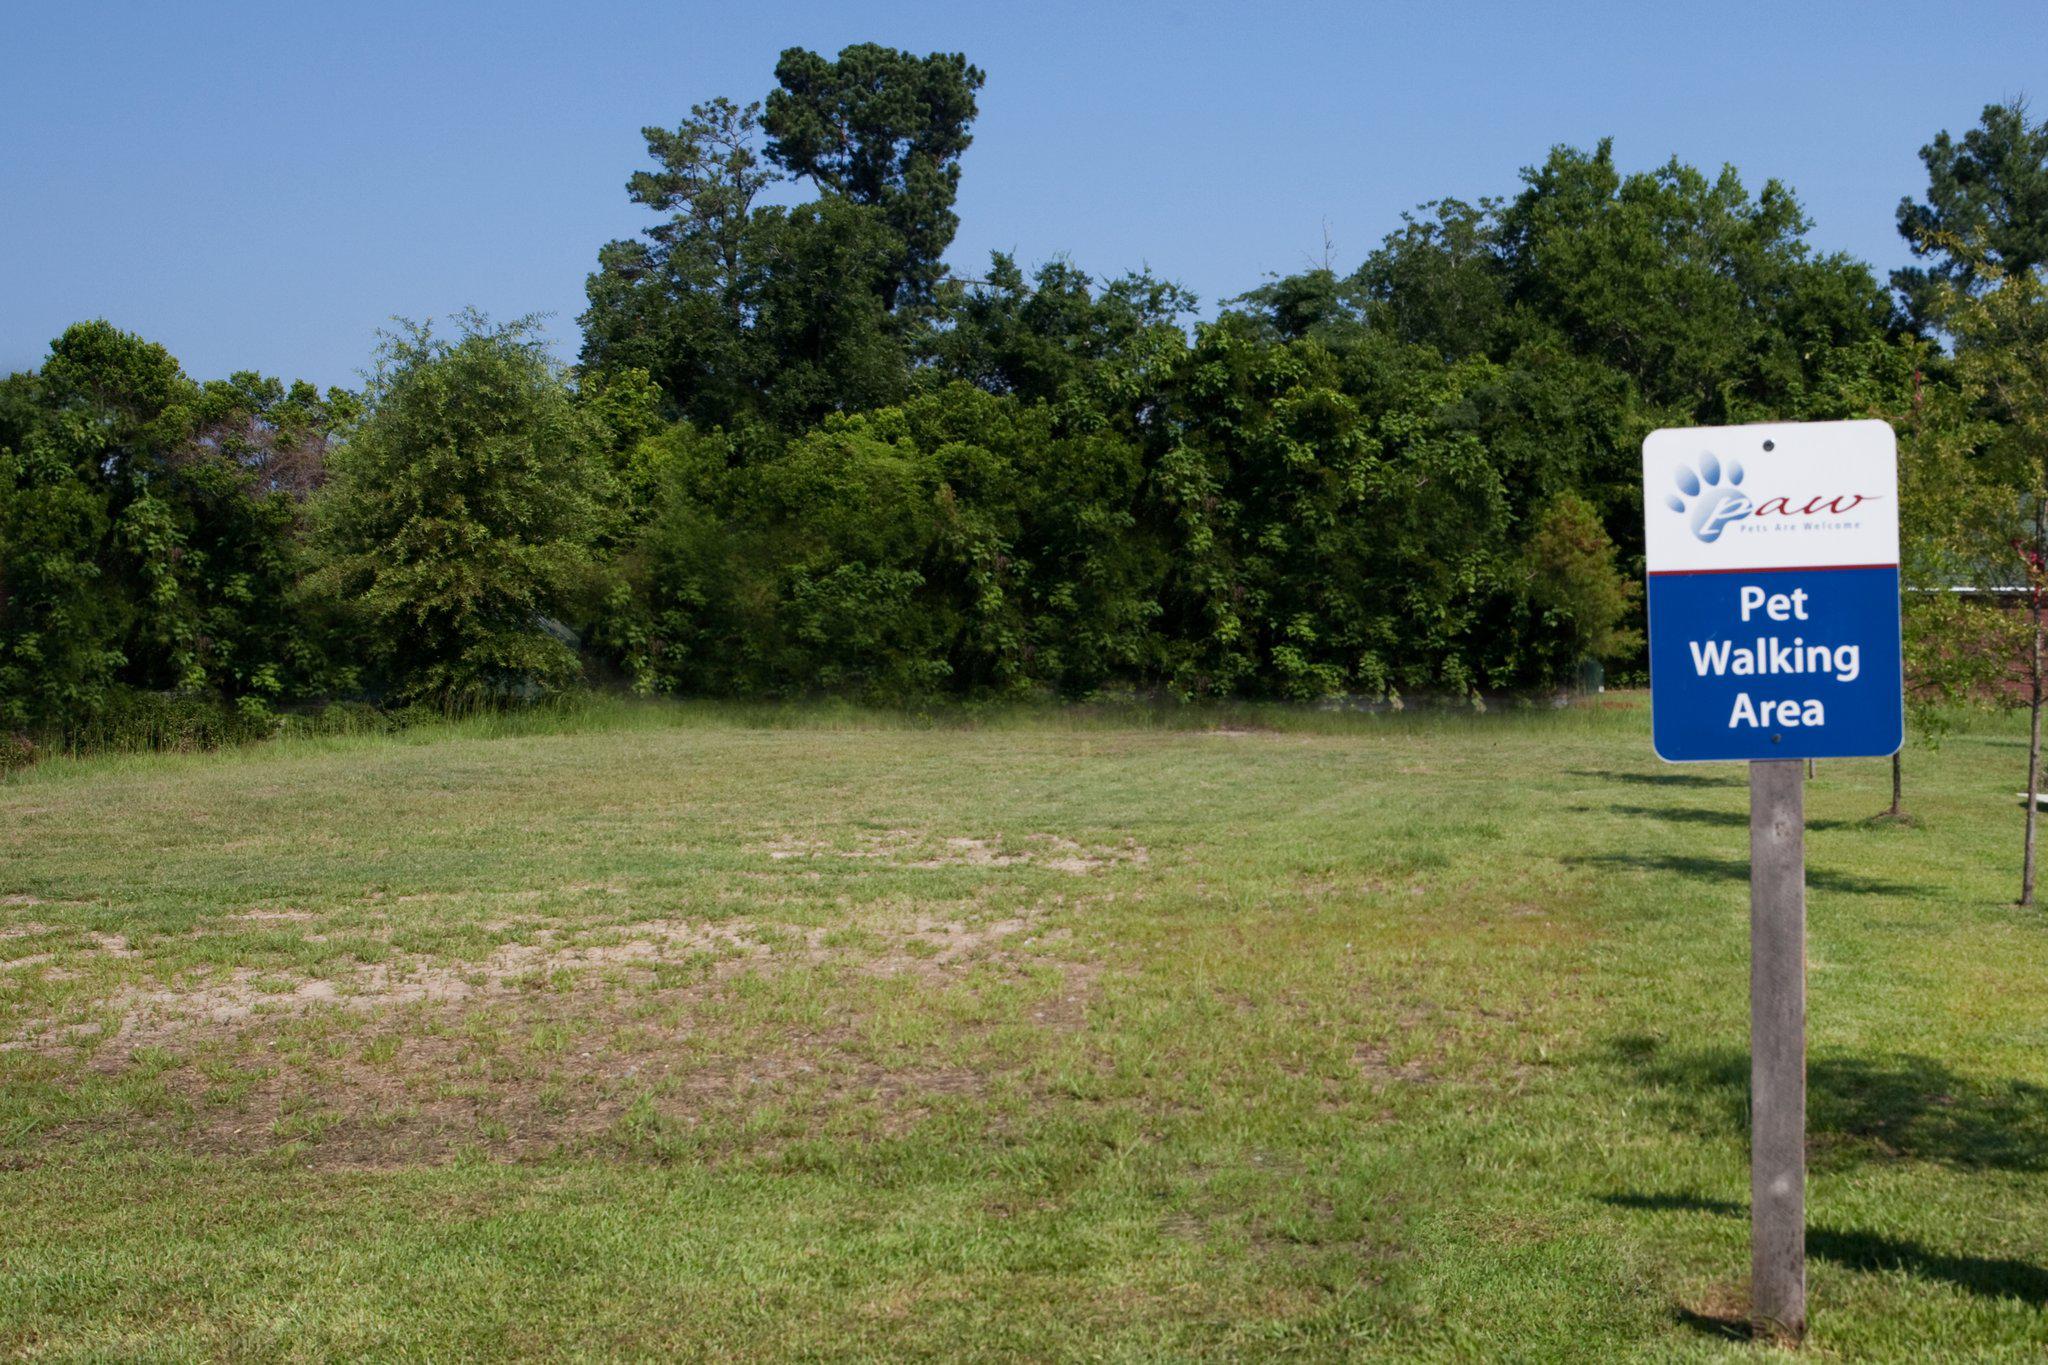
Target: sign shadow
column 1995, row 1277
column 1695, row 815
column 1864, row 1110
column 1674, row 778
column 1701, row 867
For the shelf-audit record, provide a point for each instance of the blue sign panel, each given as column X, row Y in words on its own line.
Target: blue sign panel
column 1776, row 663
column 1772, row 553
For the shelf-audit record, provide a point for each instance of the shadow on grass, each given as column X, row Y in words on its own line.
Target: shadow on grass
column 1671, row 779
column 1674, row 1203
column 1703, row 868
column 1724, row 1326
column 1726, row 819
column 1994, row 1277
column 1859, row 1110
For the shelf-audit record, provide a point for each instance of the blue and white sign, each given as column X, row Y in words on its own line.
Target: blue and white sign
column 1773, row 560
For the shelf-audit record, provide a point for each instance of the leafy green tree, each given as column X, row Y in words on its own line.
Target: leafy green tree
column 1332, row 526
column 1986, row 210
column 95, row 541
column 769, row 475
column 1555, row 422
column 626, row 405
column 958, row 541
column 1984, row 225
column 797, row 572
column 740, row 313
column 707, row 176
column 151, row 530
column 60, row 628
column 2001, row 338
column 884, row 129
column 1315, row 303
column 1958, row 643
column 1586, row 602
column 1098, row 352
column 1608, row 304
column 1707, row 299
column 234, row 495
column 1441, row 280
column 677, row 305
column 459, row 520
column 821, row 315
column 1038, row 560
column 1710, row 300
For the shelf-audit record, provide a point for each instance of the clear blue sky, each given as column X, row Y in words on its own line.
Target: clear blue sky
column 261, row 186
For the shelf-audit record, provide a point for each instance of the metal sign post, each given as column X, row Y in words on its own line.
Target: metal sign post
column 1773, row 561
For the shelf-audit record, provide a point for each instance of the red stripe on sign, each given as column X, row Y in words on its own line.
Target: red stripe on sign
column 1782, row 568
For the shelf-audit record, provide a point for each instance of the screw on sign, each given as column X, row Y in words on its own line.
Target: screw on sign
column 1772, row 554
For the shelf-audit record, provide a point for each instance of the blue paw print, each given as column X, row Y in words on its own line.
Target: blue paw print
column 1709, row 503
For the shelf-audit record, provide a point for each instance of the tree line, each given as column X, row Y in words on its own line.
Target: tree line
column 798, row 454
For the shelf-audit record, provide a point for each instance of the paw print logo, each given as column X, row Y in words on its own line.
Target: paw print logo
column 1708, row 503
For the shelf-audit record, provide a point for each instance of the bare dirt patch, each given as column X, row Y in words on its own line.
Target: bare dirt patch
column 442, row 1097
column 634, row 1036
column 160, row 1014
column 22, row 900
column 1718, row 1310
column 533, row 893
column 910, row 848
column 509, row 1071
column 110, row 945
column 1376, row 1063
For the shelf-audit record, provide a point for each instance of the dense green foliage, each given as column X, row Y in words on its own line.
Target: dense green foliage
column 462, row 514
column 799, row 455
column 151, row 532
column 1986, row 211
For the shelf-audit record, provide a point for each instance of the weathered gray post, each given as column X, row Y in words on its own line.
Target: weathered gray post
column 1777, row 1048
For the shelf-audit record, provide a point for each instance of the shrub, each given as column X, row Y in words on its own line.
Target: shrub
column 130, row 720
column 16, row 751
column 462, row 516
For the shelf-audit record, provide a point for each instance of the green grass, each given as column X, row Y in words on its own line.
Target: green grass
column 778, row 1032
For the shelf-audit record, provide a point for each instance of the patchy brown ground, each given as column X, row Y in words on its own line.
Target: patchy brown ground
column 539, row 1049
column 647, row 1035
column 908, row 848
column 554, row 1072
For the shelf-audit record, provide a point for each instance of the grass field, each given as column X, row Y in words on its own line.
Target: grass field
column 700, row 1032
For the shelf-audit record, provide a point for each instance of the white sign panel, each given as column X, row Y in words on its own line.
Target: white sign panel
column 1788, row 495
column 1773, row 560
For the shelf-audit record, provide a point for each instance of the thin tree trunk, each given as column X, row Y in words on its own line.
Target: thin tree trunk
column 1898, row 809
column 2033, row 770
column 2034, row 709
